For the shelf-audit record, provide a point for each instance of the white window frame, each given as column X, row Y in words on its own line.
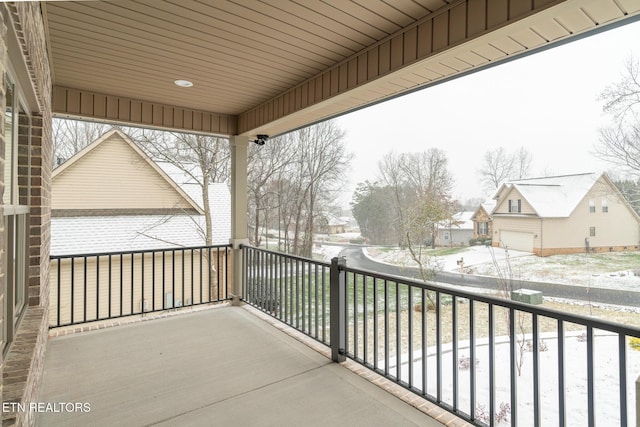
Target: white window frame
column 515, row 205
column 16, row 223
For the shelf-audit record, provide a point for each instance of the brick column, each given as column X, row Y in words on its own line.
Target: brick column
column 40, row 211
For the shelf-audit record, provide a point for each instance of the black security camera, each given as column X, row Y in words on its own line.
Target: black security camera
column 261, row 139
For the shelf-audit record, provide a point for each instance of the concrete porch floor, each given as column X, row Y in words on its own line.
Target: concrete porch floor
column 222, row 367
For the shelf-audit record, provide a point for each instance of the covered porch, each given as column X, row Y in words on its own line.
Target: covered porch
column 257, row 69
column 222, row 365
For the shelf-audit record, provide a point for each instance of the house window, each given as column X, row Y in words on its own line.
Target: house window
column 592, row 206
column 605, row 206
column 16, row 212
column 483, row 228
column 592, row 231
column 515, row 206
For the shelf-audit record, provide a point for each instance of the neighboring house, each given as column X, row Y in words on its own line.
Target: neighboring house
column 563, row 215
column 457, row 231
column 482, row 223
column 331, row 224
column 141, row 206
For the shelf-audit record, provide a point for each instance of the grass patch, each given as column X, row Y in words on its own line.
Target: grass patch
column 599, row 262
column 446, row 251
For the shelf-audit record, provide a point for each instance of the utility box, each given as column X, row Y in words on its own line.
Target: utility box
column 528, row 296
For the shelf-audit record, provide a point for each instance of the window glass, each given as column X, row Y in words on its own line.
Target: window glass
column 9, row 138
column 592, row 205
column 15, row 218
column 19, row 263
column 592, row 231
column 605, row 206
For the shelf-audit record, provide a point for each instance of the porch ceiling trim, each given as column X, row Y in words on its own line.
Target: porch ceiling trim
column 82, row 104
column 462, row 37
column 115, row 61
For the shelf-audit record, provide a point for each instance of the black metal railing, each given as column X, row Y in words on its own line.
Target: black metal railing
column 293, row 289
column 487, row 359
column 99, row 286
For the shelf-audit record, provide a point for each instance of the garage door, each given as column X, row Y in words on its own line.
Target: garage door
column 517, row 240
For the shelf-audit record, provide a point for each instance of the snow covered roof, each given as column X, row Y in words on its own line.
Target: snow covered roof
column 110, row 233
column 459, row 221
column 90, row 234
column 487, row 205
column 554, row 196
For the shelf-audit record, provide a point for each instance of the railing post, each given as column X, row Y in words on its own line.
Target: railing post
column 337, row 308
column 238, row 270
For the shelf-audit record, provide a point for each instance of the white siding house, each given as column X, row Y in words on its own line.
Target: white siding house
column 564, row 214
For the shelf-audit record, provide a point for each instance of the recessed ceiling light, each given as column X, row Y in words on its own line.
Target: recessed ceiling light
column 183, row 83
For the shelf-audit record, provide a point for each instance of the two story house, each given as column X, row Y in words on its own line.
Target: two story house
column 563, row 215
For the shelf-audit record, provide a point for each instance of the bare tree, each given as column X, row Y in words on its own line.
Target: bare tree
column 620, row 146
column 391, row 174
column 619, row 143
column 297, row 174
column 321, row 162
column 623, row 97
column 71, row 136
column 522, row 160
column 499, row 165
column 201, row 159
column 421, row 184
column 266, row 164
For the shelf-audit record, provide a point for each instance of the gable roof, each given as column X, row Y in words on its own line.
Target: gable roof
column 109, row 136
column 459, row 221
column 488, row 206
column 113, row 233
column 553, row 196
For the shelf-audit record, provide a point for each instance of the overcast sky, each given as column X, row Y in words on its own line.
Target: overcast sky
column 546, row 102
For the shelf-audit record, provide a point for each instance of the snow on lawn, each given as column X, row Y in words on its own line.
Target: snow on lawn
column 607, row 392
column 615, row 270
column 612, row 270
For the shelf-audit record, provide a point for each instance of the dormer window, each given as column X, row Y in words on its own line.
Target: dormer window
column 515, row 206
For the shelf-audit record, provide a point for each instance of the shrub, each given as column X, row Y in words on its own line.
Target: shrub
column 542, row 346
column 503, row 413
column 464, row 363
column 634, row 343
column 482, row 414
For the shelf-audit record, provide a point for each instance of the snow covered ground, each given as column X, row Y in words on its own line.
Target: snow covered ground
column 608, row 270
column 615, row 270
column 607, row 391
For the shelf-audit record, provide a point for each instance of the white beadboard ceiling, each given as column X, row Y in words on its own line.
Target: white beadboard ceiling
column 245, row 56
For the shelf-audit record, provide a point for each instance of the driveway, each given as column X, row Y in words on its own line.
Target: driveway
column 474, row 255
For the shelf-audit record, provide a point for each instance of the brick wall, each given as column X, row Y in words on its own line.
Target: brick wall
column 569, row 251
column 40, row 211
column 22, row 369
